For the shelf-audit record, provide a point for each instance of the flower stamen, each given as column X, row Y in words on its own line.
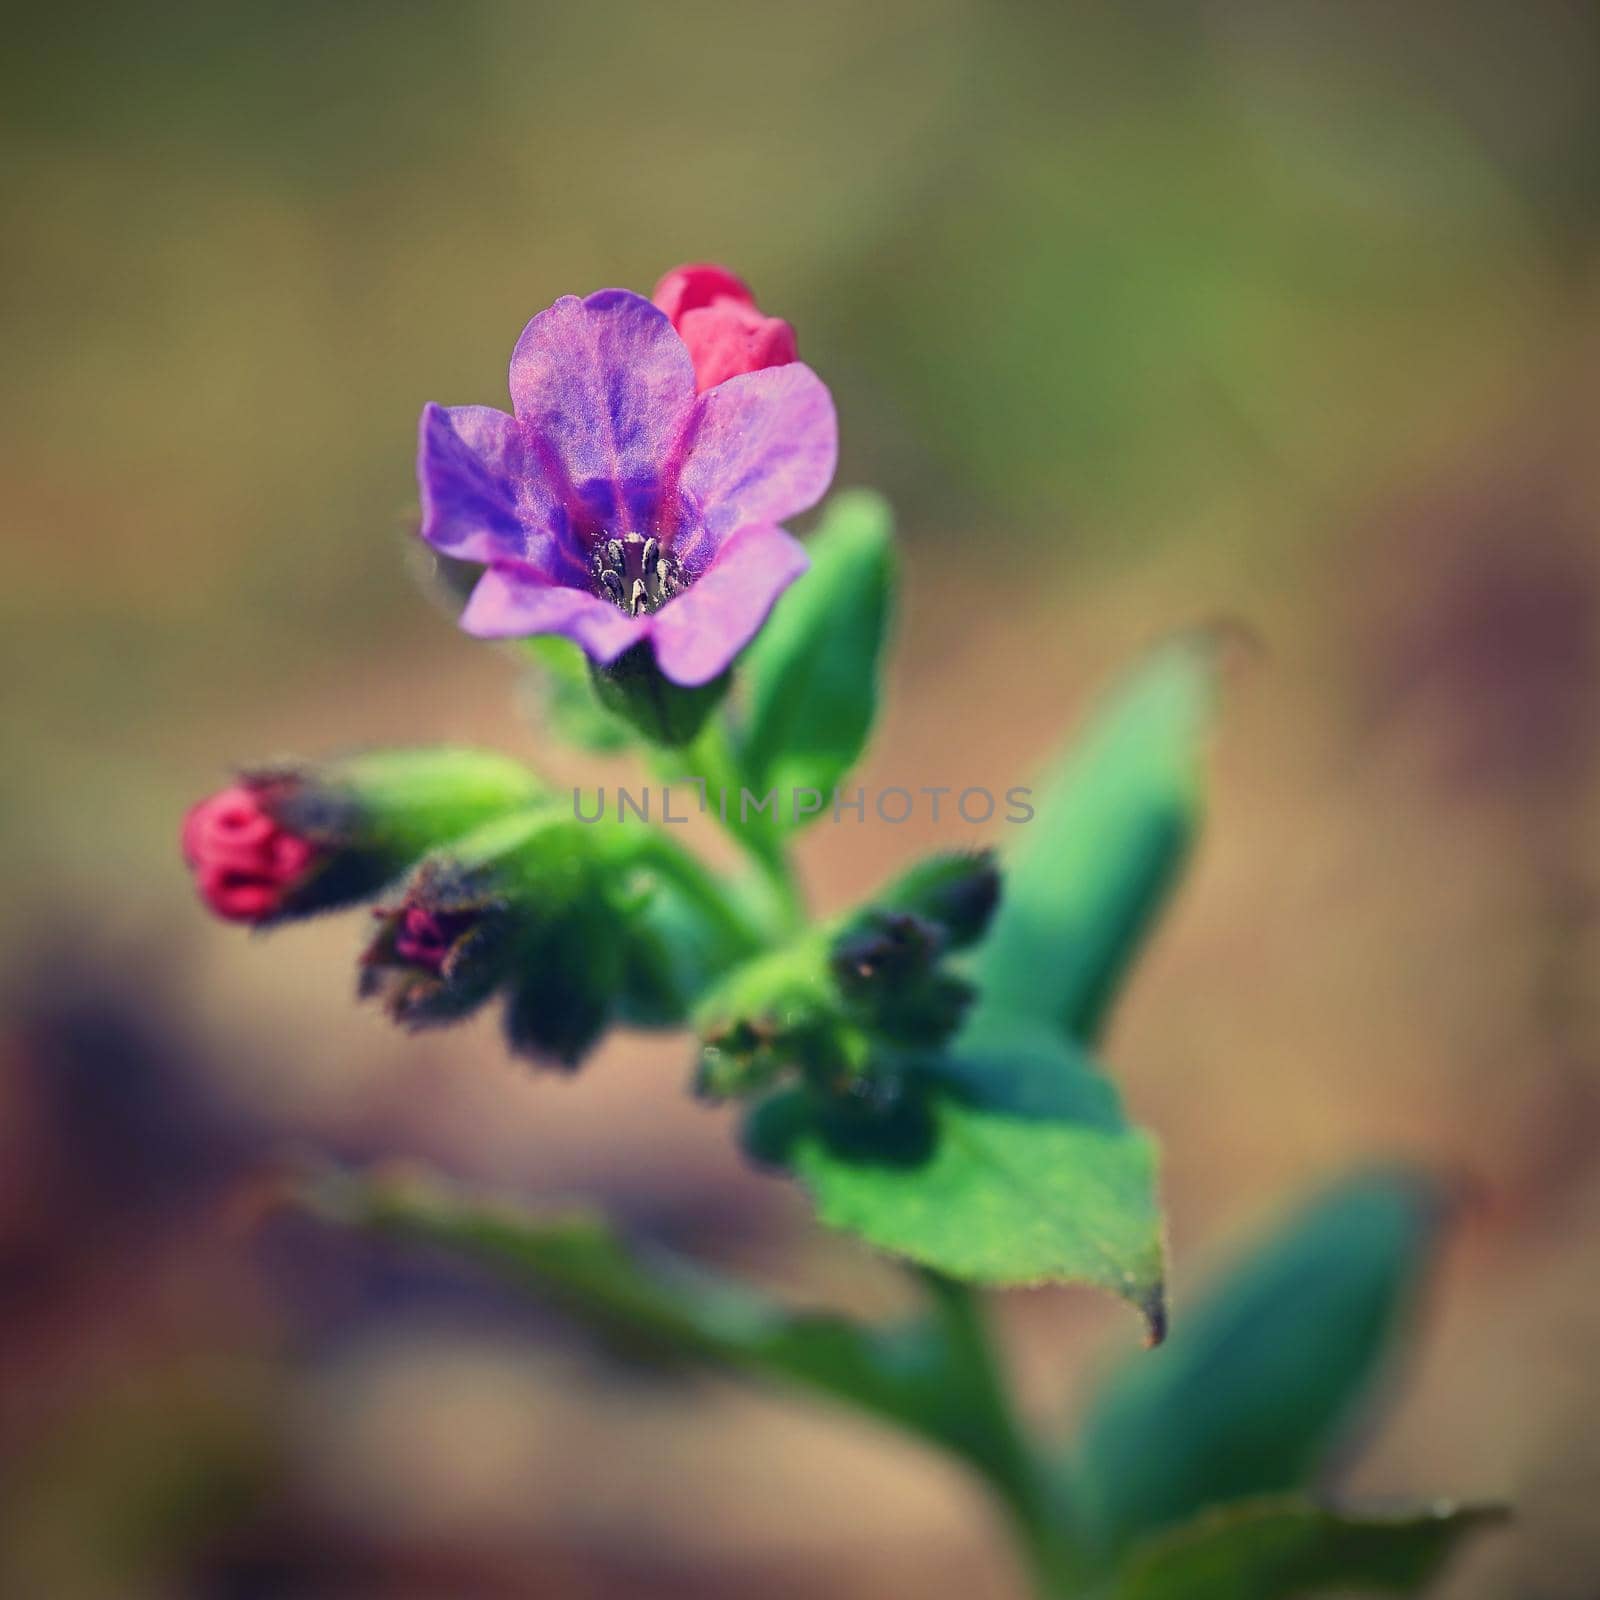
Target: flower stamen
column 635, row 574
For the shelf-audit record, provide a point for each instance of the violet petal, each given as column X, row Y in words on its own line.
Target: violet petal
column 469, row 466
column 604, row 389
column 764, row 446
column 512, row 603
column 699, row 632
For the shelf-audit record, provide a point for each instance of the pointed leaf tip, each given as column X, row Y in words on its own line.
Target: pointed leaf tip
column 1031, row 1176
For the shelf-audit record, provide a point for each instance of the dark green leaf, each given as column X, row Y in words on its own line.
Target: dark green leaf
column 1261, row 1379
column 812, row 672
column 1285, row 1549
column 906, row 1374
column 1029, row 1175
column 1112, row 828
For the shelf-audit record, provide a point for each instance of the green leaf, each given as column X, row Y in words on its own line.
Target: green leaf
column 1029, row 1175
column 914, row 1374
column 812, row 672
column 1261, row 1380
column 1112, row 828
column 1284, row 1549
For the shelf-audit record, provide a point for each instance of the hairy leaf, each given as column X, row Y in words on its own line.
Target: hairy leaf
column 1112, row 828
column 1261, row 1379
column 661, row 1304
column 1027, row 1174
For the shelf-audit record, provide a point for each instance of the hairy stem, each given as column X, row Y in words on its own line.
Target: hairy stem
column 742, row 935
column 712, row 759
column 996, row 1444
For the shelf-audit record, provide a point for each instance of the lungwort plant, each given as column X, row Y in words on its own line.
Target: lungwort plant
column 924, row 1065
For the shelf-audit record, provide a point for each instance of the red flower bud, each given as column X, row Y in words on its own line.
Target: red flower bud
column 245, row 864
column 716, row 316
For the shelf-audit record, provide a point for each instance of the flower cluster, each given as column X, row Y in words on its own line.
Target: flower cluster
column 630, row 501
column 846, row 1006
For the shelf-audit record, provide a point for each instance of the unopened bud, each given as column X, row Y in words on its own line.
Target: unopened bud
column 429, row 964
column 716, row 316
column 957, row 893
column 516, row 907
column 778, row 1013
column 247, row 866
column 291, row 840
column 887, row 965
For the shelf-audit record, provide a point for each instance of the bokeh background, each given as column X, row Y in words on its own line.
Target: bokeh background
column 1279, row 310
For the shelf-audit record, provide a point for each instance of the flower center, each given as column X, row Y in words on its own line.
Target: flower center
column 634, row 573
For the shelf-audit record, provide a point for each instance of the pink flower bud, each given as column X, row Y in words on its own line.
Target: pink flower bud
column 431, row 964
column 245, row 864
column 716, row 316
column 425, row 938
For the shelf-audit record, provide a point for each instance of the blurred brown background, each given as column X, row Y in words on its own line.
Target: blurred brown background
column 1139, row 312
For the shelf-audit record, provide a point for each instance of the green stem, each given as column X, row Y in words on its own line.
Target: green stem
column 712, row 759
column 689, row 875
column 776, row 866
column 997, row 1445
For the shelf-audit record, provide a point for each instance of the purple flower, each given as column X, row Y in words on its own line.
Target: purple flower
column 617, row 506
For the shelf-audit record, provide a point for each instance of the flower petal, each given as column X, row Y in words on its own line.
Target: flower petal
column 512, row 602
column 698, row 633
column 697, row 284
column 763, row 447
column 604, row 388
column 726, row 339
column 469, row 464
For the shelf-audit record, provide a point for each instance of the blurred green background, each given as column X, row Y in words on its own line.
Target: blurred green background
column 1140, row 313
